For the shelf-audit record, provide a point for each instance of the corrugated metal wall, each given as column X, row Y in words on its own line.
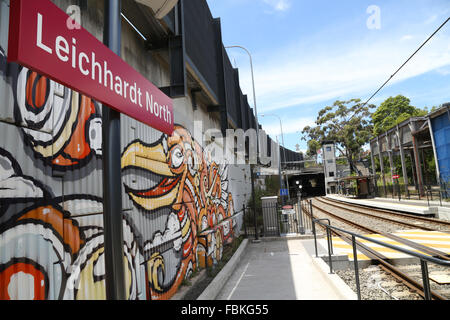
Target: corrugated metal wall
column 441, row 132
column 177, row 201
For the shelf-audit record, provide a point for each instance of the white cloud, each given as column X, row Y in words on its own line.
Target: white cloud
column 406, row 37
column 306, row 74
column 444, row 71
column 279, row 5
column 272, row 128
column 431, row 19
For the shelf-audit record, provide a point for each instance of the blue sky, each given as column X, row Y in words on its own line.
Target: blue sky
column 307, row 54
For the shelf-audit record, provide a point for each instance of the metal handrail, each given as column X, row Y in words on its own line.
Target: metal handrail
column 423, row 258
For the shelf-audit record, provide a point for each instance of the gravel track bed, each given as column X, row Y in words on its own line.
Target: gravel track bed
column 372, row 223
column 377, row 284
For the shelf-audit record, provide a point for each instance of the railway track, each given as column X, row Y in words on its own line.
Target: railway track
column 413, row 221
column 325, row 207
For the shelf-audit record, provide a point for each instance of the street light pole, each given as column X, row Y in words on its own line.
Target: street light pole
column 257, row 141
column 254, row 99
column 284, row 150
column 299, row 201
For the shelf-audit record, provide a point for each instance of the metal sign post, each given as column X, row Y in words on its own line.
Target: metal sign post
column 112, row 178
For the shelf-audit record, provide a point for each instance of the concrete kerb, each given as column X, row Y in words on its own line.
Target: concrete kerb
column 338, row 284
column 213, row 289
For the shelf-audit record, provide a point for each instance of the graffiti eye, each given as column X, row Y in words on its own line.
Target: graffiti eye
column 177, row 157
column 95, row 135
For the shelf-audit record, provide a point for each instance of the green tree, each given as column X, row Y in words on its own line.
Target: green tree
column 313, row 147
column 348, row 123
column 393, row 111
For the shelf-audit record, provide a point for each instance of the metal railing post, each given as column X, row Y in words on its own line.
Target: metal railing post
column 355, row 261
column 329, row 249
column 299, row 207
column 424, row 259
column 329, row 241
column 426, row 280
column 315, row 237
column 206, row 252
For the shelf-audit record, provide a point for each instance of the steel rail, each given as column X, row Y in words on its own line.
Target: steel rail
column 376, row 217
column 372, row 254
column 392, row 212
column 415, row 245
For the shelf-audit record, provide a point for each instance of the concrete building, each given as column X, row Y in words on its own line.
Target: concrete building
column 411, row 143
column 329, row 166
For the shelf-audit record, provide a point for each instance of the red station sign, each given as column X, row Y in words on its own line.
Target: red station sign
column 40, row 40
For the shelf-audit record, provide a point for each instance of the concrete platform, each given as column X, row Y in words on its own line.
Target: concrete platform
column 283, row 269
column 434, row 208
column 407, row 206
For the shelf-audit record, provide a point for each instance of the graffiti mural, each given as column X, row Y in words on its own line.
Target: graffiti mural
column 183, row 184
column 63, row 127
column 51, row 225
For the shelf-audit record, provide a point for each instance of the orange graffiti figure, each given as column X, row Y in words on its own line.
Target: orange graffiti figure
column 192, row 189
column 62, row 126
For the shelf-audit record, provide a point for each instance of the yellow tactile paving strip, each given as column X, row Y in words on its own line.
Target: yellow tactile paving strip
column 434, row 239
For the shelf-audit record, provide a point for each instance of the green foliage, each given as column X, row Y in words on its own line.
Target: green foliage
column 393, row 111
column 272, row 184
column 348, row 123
column 313, row 147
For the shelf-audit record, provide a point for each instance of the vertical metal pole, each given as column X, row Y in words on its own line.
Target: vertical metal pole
column 329, row 250
column 418, row 166
column 315, row 237
column 112, row 179
column 302, row 227
column 380, row 156
column 280, row 176
column 374, row 171
column 254, row 201
column 355, row 261
column 402, row 159
column 331, row 241
column 245, row 223
column 433, row 143
column 426, row 280
column 391, row 165
column 278, row 215
column 206, row 252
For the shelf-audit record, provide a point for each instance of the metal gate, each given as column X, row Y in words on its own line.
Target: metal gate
column 281, row 220
column 289, row 221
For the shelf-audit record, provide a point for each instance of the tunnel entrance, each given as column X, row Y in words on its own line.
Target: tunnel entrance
column 313, row 185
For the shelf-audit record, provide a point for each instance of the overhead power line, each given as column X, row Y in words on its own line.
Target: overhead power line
column 418, row 49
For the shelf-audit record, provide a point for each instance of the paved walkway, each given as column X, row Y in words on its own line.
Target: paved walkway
column 280, row 270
